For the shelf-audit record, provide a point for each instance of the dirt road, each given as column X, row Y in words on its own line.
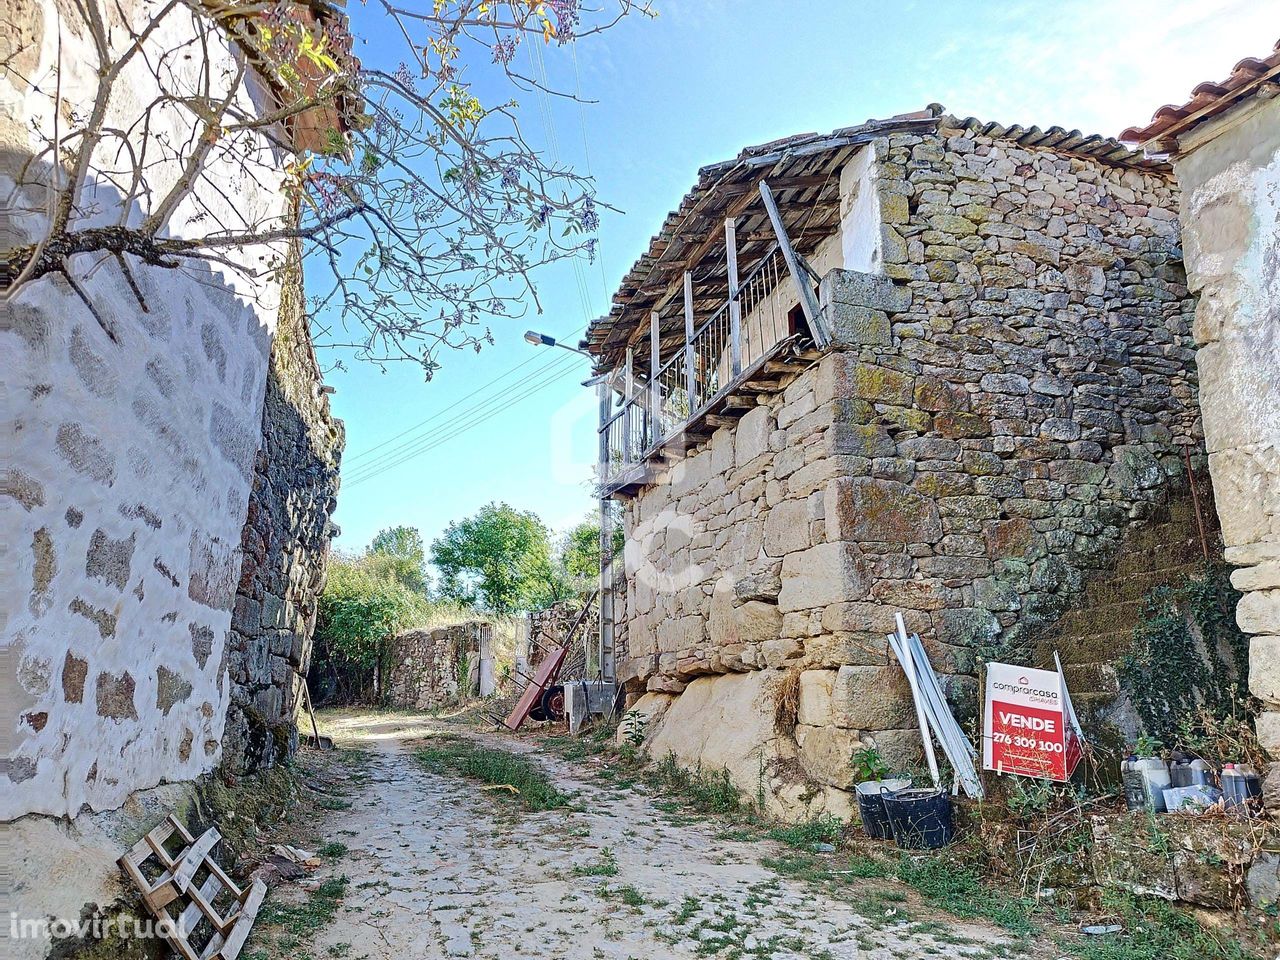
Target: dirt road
column 438, row 868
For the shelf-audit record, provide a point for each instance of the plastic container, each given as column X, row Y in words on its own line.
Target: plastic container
column 1155, row 780
column 1135, row 792
column 1202, row 774
column 871, row 794
column 921, row 819
column 1179, row 769
column 1241, row 786
column 1196, row 798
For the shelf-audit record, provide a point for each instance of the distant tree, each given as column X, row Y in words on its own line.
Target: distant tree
column 398, row 553
column 500, row 560
column 580, row 552
column 361, row 609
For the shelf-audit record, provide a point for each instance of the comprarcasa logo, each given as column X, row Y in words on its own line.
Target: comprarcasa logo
column 1023, row 688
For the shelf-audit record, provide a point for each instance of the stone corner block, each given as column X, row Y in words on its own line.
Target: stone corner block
column 855, row 289
column 825, row 574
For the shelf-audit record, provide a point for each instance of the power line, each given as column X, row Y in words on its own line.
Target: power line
column 556, row 365
column 461, row 429
column 436, row 416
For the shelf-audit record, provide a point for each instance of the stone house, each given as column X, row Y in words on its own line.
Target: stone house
column 926, row 365
column 150, row 449
column 1224, row 144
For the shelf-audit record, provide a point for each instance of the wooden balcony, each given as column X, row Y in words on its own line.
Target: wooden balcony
column 766, row 327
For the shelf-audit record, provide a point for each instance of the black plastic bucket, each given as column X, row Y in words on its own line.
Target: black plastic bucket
column 875, row 819
column 920, row 819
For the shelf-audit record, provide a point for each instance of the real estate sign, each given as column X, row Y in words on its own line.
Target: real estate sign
column 1029, row 728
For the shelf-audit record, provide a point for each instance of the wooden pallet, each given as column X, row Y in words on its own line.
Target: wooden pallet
column 183, row 906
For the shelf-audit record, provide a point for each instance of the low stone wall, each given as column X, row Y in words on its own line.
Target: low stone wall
column 285, row 547
column 434, row 667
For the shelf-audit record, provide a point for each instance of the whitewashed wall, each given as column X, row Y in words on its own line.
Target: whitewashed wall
column 125, row 488
column 1231, row 234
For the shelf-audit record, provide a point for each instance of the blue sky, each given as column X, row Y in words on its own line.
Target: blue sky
column 692, row 87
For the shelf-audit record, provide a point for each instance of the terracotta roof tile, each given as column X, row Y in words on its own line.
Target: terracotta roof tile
column 1207, row 100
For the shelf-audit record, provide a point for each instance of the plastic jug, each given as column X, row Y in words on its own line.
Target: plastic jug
column 1202, row 774
column 1155, row 779
column 1179, row 769
column 1135, row 794
column 1241, row 786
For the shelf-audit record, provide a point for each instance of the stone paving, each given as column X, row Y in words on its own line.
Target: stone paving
column 439, row 868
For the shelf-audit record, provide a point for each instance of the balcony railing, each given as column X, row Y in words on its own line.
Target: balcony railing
column 740, row 334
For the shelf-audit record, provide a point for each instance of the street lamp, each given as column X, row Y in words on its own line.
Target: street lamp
column 542, row 340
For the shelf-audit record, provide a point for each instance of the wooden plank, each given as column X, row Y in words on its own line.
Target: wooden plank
column 655, row 389
column 193, row 857
column 808, row 302
column 227, row 882
column 201, row 906
column 735, row 308
column 243, row 922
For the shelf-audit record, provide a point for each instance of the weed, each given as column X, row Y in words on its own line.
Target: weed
column 333, row 850
column 823, row 829
column 495, row 767
column 868, row 764
column 708, row 792
column 688, row 908
column 606, row 866
column 315, row 912
column 1155, row 930
column 959, row 890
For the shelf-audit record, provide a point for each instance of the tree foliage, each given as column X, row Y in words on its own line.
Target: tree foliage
column 423, row 206
column 362, row 607
column 397, row 553
column 499, row 560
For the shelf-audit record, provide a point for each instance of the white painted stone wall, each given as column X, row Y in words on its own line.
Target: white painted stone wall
column 1231, row 234
column 129, row 456
column 855, row 246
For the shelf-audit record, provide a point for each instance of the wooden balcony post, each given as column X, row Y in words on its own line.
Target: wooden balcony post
column 804, row 288
column 735, row 308
column 690, row 374
column 628, row 393
column 655, row 388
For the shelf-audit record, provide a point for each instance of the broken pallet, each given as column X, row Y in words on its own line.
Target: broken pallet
column 200, row 929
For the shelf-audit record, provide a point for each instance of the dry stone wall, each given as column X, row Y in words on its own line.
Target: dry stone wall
column 285, row 548
column 1000, row 409
column 434, row 667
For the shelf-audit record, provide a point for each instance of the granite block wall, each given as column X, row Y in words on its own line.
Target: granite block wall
column 1232, row 226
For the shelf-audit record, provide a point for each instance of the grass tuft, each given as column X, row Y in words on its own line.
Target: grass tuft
column 1155, row 930
column 490, row 765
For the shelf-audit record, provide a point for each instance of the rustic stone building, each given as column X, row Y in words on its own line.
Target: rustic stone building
column 947, row 375
column 1225, row 147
